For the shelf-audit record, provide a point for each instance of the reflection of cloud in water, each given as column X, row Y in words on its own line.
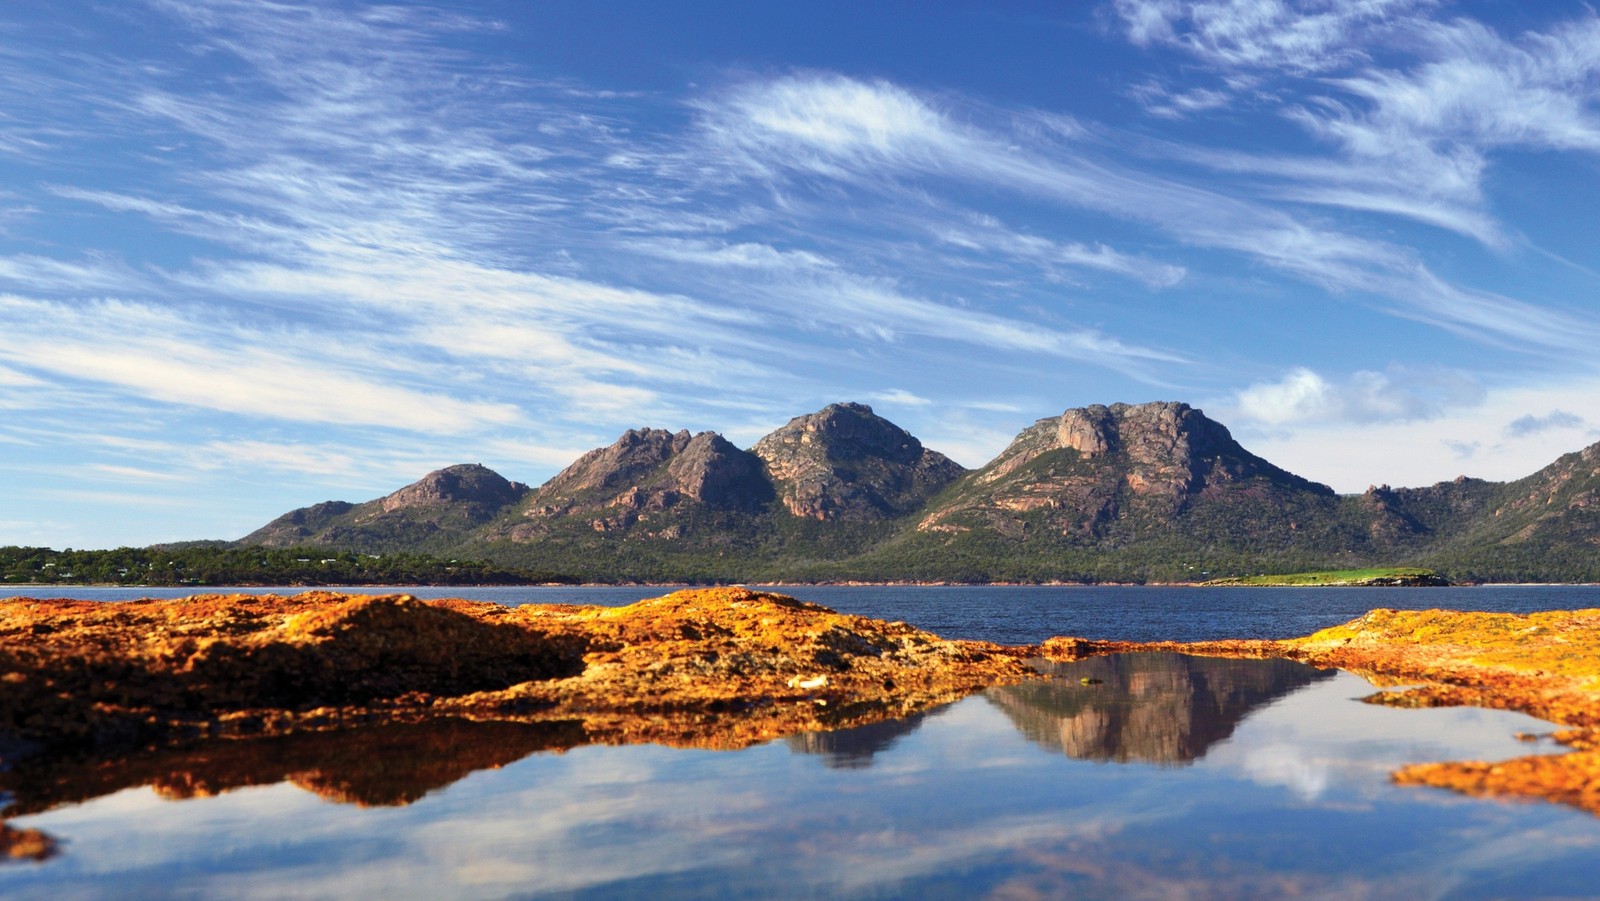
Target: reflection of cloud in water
column 1150, row 707
column 1333, row 749
column 1288, row 766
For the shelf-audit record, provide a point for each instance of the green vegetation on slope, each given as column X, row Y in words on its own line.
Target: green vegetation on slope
column 218, row 564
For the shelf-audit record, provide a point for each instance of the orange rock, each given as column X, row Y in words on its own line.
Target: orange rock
column 711, row 665
column 25, row 844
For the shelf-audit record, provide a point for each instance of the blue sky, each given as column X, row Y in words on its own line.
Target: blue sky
column 255, row 255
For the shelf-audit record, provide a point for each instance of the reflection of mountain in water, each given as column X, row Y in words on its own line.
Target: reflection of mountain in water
column 852, row 749
column 1152, row 707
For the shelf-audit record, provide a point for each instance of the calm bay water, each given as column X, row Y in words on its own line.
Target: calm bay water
column 1018, row 614
column 1162, row 776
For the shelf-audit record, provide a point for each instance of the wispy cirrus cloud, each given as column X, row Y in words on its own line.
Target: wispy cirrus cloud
column 821, row 292
column 765, row 126
column 986, row 235
column 363, row 235
column 1414, row 136
column 1299, row 35
column 346, row 188
column 160, row 359
column 1173, row 103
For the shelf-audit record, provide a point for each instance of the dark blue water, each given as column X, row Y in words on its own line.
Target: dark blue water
column 1029, row 614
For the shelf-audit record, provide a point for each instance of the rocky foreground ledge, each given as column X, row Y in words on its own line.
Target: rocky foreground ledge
column 722, row 667
column 214, row 691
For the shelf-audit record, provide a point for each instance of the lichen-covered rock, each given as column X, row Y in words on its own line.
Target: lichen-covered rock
column 94, row 674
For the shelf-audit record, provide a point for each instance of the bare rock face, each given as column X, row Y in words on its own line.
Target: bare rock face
column 1091, row 431
column 644, row 473
column 1174, row 448
column 711, row 470
column 845, row 462
column 656, row 468
column 1092, row 466
column 468, row 483
column 623, row 463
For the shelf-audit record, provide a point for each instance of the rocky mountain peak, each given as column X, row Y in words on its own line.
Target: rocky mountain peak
column 644, row 480
column 1082, row 472
column 633, row 455
column 466, row 483
column 846, row 462
column 712, row 470
column 1168, row 447
column 1166, row 433
column 451, row 499
column 1166, row 443
column 1090, row 431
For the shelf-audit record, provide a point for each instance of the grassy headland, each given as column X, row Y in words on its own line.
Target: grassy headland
column 1386, row 576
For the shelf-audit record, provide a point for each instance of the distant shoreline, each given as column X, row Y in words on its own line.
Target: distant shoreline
column 897, row 583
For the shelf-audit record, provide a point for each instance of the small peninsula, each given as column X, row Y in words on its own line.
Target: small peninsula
column 1377, row 577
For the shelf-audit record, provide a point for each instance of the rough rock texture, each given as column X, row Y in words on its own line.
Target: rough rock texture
column 469, row 484
column 846, row 462
column 89, row 674
column 646, row 471
column 1090, row 468
column 379, row 699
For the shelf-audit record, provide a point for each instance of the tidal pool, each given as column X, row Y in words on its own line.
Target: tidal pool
column 1133, row 776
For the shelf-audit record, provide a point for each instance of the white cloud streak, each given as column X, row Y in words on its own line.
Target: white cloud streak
column 1299, row 35
column 1415, row 141
column 1400, row 395
column 159, row 359
column 763, row 128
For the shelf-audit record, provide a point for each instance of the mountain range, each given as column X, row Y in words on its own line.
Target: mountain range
column 1142, row 492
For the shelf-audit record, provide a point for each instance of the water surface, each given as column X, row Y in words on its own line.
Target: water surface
column 1015, row 614
column 1148, row 775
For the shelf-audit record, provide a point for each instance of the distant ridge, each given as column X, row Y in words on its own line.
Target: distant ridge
column 1125, row 492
